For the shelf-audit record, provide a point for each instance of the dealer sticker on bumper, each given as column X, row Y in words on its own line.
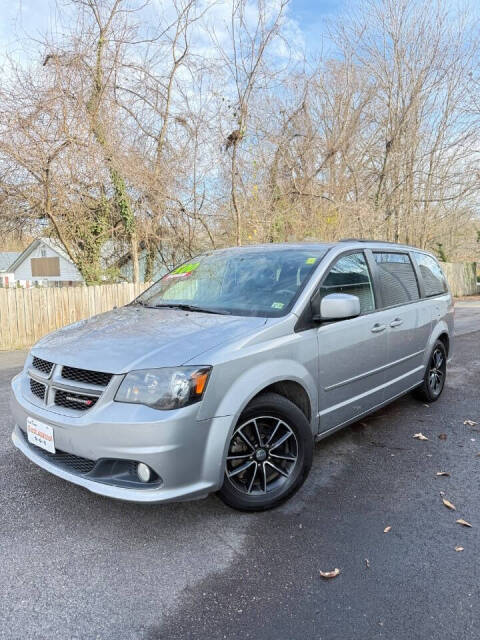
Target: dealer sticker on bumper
column 40, row 434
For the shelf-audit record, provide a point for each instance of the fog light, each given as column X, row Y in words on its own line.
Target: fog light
column 143, row 472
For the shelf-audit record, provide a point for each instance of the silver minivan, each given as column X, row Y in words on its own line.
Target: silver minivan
column 222, row 374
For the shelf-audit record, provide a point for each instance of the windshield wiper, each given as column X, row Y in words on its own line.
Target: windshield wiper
column 191, row 307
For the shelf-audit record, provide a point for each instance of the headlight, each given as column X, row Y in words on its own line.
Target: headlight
column 164, row 388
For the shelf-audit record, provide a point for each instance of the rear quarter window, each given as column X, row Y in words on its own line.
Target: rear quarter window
column 397, row 277
column 434, row 282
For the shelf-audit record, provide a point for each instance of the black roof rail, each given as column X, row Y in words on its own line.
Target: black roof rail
column 365, row 240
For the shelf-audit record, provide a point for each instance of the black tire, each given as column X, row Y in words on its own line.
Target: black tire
column 435, row 374
column 272, row 472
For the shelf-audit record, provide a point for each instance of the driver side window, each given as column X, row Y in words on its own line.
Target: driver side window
column 350, row 275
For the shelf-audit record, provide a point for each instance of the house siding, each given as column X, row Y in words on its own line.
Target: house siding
column 159, row 269
column 68, row 271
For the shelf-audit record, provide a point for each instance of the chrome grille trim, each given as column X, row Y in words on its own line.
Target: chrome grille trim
column 55, row 382
column 82, row 389
column 84, row 376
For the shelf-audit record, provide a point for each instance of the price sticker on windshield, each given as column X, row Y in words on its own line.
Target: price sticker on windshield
column 183, row 271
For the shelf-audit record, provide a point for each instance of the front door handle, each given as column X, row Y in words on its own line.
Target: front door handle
column 378, row 327
column 396, row 323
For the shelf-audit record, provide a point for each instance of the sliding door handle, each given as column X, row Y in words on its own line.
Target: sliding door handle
column 377, row 327
column 396, row 323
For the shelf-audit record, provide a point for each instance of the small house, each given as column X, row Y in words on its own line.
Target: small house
column 44, row 263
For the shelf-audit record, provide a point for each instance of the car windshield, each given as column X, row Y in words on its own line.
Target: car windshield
column 249, row 282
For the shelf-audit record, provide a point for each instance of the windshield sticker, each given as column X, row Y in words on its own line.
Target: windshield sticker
column 277, row 305
column 186, row 268
column 183, row 271
column 310, row 261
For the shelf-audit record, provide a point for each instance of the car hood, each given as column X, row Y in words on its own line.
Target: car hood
column 136, row 337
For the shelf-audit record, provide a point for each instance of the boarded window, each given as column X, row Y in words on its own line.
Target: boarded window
column 45, row 267
column 397, row 278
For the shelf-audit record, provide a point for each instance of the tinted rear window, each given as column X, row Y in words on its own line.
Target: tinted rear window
column 397, row 278
column 433, row 279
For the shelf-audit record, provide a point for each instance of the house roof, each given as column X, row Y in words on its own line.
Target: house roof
column 57, row 246
column 53, row 244
column 7, row 258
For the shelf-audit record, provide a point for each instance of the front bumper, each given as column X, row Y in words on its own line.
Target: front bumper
column 186, row 453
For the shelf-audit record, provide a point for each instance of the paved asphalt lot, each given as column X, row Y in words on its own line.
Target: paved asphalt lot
column 74, row 565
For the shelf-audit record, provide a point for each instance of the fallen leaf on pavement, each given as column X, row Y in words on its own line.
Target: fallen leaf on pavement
column 387, row 529
column 470, row 423
column 458, row 548
column 448, row 504
column 443, row 473
column 463, row 522
column 420, row 436
column 442, row 436
column 330, row 574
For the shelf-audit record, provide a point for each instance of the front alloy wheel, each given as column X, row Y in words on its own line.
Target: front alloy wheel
column 262, row 455
column 269, row 454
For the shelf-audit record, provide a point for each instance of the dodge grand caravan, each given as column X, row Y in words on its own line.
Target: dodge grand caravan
column 222, row 374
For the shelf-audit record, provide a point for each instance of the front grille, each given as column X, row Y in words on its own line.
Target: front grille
column 89, row 377
column 72, row 400
column 67, row 461
column 83, row 395
column 37, row 388
column 42, row 365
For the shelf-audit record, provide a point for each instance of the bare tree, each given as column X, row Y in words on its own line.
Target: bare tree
column 244, row 58
column 141, row 134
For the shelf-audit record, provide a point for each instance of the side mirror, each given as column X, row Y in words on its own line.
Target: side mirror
column 338, row 306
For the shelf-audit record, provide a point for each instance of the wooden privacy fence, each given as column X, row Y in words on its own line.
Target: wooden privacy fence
column 28, row 314
column 461, row 276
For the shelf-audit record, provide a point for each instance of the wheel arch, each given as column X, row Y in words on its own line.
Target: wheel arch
column 441, row 333
column 298, row 385
column 291, row 390
column 445, row 338
column 287, row 377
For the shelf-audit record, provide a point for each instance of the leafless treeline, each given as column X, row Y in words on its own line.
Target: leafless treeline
column 138, row 132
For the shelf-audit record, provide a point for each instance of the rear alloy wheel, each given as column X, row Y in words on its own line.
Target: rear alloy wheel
column 435, row 374
column 269, row 454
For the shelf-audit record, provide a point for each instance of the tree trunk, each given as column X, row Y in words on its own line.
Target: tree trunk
column 134, row 257
column 150, row 257
column 238, row 220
